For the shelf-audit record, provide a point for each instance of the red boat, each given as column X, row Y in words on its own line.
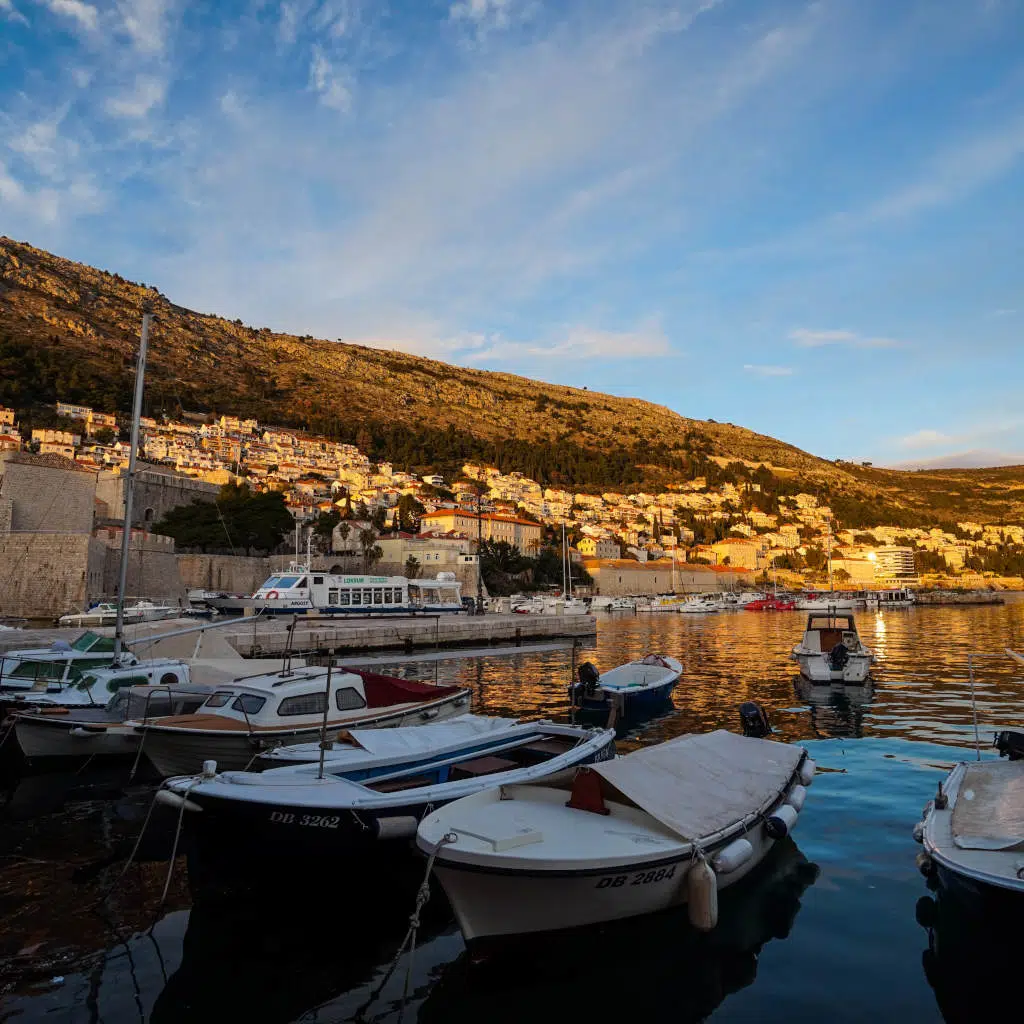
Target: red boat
column 770, row 604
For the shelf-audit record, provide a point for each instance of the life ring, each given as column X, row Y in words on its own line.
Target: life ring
column 271, row 594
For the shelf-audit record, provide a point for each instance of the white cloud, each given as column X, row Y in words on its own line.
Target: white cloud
column 84, row 14
column 489, row 15
column 9, row 11
column 817, row 339
column 332, row 83
column 145, row 22
column 577, row 344
column 926, row 438
column 768, row 371
column 146, row 93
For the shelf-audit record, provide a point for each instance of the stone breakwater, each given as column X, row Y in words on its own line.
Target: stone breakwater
column 959, row 597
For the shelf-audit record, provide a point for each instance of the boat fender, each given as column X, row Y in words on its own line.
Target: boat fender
column 796, row 798
column 781, row 823
column 918, row 832
column 925, row 864
column 401, row 826
column 733, row 856
column 807, row 770
column 702, row 896
column 175, row 800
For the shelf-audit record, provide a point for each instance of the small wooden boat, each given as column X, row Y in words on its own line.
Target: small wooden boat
column 832, row 651
column 635, row 687
column 661, row 827
column 377, row 784
column 249, row 716
column 973, row 831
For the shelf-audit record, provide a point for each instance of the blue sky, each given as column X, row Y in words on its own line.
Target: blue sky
column 804, row 218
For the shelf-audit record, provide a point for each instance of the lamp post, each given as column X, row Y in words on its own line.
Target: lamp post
column 479, row 550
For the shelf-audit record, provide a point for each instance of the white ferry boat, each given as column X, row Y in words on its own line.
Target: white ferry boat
column 301, row 590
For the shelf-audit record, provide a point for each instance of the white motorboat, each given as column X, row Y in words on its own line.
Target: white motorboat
column 831, row 650
column 896, row 597
column 251, row 715
column 663, row 826
column 377, row 784
column 700, row 604
column 827, row 601
column 612, row 604
column 105, row 614
column 36, row 668
column 637, row 686
column 145, row 692
column 658, row 604
column 973, row 831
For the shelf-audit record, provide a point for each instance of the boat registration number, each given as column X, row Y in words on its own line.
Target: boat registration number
column 309, row 820
column 640, row 878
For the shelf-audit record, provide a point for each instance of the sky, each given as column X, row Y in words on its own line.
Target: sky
column 803, row 218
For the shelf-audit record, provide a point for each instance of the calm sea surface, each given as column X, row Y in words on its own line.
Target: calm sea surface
column 827, row 930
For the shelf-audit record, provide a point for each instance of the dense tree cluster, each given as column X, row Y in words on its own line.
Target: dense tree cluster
column 237, row 522
column 506, row 570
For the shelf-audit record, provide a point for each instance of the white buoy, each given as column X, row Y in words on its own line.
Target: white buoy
column 733, row 856
column 175, row 800
column 399, row 826
column 807, row 770
column 702, row 896
column 781, row 821
column 796, row 798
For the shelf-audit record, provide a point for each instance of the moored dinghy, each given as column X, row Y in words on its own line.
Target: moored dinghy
column 378, row 785
column 634, row 687
column 660, row 827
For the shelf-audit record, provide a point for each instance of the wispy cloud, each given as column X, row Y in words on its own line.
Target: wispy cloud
column 146, row 93
column 490, row 15
column 145, row 22
column 1003, row 312
column 330, row 82
column 84, row 15
column 9, row 11
column 817, row 339
column 576, row 344
column 768, row 371
column 926, row 438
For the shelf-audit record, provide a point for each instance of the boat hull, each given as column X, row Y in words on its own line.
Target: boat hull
column 498, row 906
column 816, row 669
column 646, row 700
column 179, row 751
column 52, row 739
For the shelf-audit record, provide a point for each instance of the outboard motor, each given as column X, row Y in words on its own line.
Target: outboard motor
column 1010, row 744
column 589, row 678
column 838, row 657
column 754, row 720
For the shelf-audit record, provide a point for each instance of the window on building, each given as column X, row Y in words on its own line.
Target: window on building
column 303, row 704
column 349, row 699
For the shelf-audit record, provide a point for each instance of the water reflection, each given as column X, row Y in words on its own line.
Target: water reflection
column 836, row 709
column 973, row 957
column 654, row 969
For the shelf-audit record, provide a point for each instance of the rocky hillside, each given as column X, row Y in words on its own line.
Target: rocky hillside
column 70, row 331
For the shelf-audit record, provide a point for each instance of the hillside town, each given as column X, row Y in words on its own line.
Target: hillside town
column 714, row 529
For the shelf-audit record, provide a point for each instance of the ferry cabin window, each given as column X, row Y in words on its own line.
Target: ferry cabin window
column 218, row 700
column 414, row 594
column 357, row 597
column 286, row 582
column 367, row 596
column 378, row 595
column 318, row 580
column 345, row 598
column 248, row 703
column 332, row 595
column 302, row 704
column 348, row 699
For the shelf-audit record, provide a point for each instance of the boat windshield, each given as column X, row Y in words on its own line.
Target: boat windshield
column 280, row 583
column 90, row 641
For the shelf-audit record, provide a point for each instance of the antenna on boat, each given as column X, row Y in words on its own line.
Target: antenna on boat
column 286, row 661
column 327, row 708
column 129, row 493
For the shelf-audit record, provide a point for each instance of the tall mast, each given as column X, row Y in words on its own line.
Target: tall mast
column 563, row 559
column 829, row 537
column 129, row 492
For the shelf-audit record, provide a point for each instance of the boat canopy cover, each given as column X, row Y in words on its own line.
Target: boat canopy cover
column 420, row 738
column 697, row 785
column 989, row 809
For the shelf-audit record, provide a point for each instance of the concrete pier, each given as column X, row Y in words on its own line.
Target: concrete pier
column 256, row 638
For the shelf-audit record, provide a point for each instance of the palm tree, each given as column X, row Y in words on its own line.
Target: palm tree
column 372, row 552
column 343, row 531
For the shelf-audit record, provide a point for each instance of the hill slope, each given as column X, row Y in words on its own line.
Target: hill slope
column 70, row 331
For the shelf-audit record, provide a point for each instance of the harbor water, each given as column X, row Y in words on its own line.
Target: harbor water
column 837, row 925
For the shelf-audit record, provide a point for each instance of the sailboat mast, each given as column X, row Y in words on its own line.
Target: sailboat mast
column 563, row 559
column 129, row 491
column 829, row 537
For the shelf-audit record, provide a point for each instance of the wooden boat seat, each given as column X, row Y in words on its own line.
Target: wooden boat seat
column 481, row 766
column 397, row 785
column 550, row 747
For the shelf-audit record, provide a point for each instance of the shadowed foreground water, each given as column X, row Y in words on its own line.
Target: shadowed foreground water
column 827, row 930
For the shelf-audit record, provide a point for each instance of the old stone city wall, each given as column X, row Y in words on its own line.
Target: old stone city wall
column 44, row 575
